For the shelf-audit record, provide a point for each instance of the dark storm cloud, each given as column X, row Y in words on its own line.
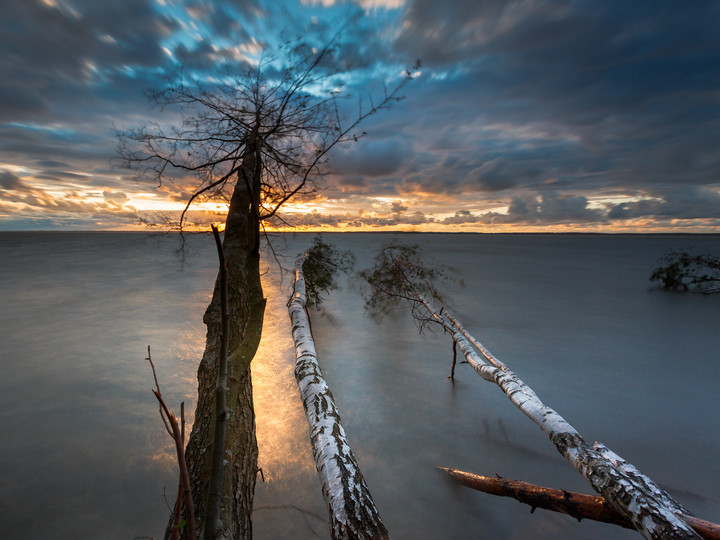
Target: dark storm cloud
column 571, row 95
column 548, row 208
column 684, row 202
column 461, row 217
column 46, row 51
column 542, row 105
column 11, row 182
column 463, row 173
column 379, row 157
column 398, row 207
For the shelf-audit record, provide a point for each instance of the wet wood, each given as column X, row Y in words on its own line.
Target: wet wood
column 649, row 514
column 577, row 505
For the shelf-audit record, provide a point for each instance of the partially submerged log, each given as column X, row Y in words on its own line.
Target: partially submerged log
column 352, row 512
column 399, row 274
column 648, row 509
column 578, row 505
column 646, row 482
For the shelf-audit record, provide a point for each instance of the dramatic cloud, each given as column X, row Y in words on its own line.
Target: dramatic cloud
column 11, row 182
column 461, row 217
column 546, row 208
column 599, row 115
column 679, row 203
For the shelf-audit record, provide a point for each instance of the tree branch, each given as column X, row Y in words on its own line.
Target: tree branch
column 577, row 505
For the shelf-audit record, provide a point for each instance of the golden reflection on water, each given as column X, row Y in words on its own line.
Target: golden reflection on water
column 289, row 503
column 291, row 491
column 282, row 432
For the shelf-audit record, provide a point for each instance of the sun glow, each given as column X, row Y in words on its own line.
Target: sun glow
column 149, row 202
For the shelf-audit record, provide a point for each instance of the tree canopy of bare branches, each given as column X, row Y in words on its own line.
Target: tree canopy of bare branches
column 285, row 112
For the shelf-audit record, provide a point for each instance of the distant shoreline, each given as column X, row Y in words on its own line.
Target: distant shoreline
column 409, row 233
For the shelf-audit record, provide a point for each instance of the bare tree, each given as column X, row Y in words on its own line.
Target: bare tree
column 268, row 130
column 255, row 140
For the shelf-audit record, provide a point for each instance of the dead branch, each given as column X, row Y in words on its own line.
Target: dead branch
column 577, row 505
column 171, row 424
column 213, row 523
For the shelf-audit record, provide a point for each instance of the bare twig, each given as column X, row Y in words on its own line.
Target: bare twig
column 171, row 424
column 452, row 369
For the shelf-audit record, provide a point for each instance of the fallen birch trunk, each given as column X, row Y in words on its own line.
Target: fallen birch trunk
column 648, row 512
column 648, row 484
column 352, row 512
column 577, row 505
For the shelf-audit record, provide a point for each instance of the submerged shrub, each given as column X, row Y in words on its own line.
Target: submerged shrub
column 321, row 267
column 683, row 271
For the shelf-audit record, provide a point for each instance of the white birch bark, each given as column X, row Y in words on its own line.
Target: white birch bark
column 632, row 494
column 645, row 481
column 352, row 512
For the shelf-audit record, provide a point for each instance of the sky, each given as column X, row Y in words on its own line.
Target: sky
column 526, row 115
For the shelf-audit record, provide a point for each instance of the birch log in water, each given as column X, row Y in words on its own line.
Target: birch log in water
column 352, row 512
column 643, row 504
column 399, row 274
column 647, row 483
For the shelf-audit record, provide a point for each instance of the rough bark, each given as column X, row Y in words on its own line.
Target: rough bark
column 650, row 515
column 246, row 307
column 646, row 482
column 213, row 523
column 352, row 512
column 578, row 505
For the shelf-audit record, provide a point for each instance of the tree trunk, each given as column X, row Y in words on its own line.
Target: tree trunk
column 648, row 513
column 352, row 512
column 246, row 307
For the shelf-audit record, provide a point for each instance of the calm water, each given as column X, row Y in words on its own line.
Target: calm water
column 84, row 454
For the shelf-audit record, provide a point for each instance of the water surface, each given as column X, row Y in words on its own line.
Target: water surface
column 84, row 454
